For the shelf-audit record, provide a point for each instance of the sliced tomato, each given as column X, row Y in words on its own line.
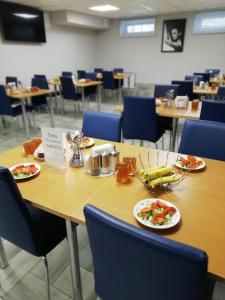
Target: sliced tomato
column 159, row 219
column 169, row 210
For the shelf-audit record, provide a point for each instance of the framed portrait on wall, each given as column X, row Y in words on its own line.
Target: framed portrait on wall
column 173, row 35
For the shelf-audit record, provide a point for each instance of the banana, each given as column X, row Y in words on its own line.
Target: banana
column 162, row 180
column 157, row 173
column 143, row 172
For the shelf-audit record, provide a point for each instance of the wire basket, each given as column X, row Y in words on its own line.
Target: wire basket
column 161, row 187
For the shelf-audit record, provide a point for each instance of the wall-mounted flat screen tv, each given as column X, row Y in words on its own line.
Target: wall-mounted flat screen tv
column 22, row 23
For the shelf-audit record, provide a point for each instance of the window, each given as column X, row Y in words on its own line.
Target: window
column 137, row 27
column 209, row 22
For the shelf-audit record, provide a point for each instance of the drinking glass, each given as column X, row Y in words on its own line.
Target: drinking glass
column 28, row 148
column 121, row 173
column 131, row 164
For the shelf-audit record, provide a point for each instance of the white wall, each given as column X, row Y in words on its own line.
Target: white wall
column 66, row 49
column 143, row 55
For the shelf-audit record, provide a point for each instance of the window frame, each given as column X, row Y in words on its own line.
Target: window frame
column 199, row 17
column 124, row 24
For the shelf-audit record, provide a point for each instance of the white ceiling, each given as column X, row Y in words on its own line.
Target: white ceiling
column 128, row 8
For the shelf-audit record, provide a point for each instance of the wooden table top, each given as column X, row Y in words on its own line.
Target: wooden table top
column 208, row 91
column 200, row 198
column 173, row 112
column 24, row 94
column 217, row 80
column 56, row 81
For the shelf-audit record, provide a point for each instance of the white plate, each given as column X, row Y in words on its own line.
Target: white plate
column 25, row 164
column 90, row 143
column 200, row 167
column 146, row 202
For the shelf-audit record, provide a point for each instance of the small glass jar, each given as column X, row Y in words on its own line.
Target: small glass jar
column 131, row 164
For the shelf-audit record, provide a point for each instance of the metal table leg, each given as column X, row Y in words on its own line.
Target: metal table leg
column 3, row 260
column 23, row 103
column 51, row 111
column 74, row 259
column 174, row 133
column 83, row 98
column 120, row 92
column 99, row 96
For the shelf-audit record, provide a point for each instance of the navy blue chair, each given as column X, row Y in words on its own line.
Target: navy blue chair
column 204, row 139
column 108, row 81
column 118, row 70
column 102, row 125
column 213, row 111
column 140, row 121
column 205, row 76
column 69, row 91
column 39, row 102
column 195, row 78
column 81, row 74
column 162, row 89
column 44, row 82
column 67, row 74
column 11, row 108
column 221, row 93
column 92, row 90
column 213, row 72
column 185, row 88
column 35, row 231
column 91, row 76
column 98, row 70
column 11, row 79
column 132, row 263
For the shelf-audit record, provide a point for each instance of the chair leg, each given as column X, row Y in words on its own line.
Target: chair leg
column 170, row 140
column 141, row 143
column 156, row 146
column 47, row 280
column 3, row 260
column 163, row 142
column 34, row 121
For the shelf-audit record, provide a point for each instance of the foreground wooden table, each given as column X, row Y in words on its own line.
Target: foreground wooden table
column 200, row 199
column 175, row 113
column 22, row 96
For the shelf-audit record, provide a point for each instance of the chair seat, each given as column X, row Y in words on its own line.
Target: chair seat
column 165, row 122
column 49, row 229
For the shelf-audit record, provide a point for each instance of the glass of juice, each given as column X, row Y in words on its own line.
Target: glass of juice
column 131, row 164
column 121, row 172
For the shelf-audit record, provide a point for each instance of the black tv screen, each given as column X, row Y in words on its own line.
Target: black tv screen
column 22, row 23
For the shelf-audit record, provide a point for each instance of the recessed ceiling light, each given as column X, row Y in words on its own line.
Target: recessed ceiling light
column 25, row 16
column 103, row 8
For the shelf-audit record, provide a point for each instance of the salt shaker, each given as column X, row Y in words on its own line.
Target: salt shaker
column 114, row 159
column 95, row 165
column 105, row 162
column 87, row 163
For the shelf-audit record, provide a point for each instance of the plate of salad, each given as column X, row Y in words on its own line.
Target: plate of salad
column 190, row 162
column 25, row 170
column 156, row 213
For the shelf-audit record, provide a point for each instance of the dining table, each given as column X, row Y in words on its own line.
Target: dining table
column 81, row 85
column 217, row 80
column 171, row 111
column 24, row 95
column 199, row 198
column 209, row 91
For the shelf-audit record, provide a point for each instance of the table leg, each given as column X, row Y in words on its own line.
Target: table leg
column 83, row 98
column 99, row 97
column 3, row 260
column 120, row 92
column 174, row 133
column 23, row 104
column 51, row 111
column 74, row 259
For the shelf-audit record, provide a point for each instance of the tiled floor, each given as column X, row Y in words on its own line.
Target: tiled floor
column 24, row 278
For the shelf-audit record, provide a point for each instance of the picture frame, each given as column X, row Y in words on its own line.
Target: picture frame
column 173, row 34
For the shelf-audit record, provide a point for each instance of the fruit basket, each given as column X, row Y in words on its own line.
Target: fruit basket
column 159, row 178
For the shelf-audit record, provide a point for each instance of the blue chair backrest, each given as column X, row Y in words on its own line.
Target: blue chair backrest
column 40, row 82
column 5, row 103
column 108, row 81
column 102, row 125
column 221, row 93
column 98, row 70
column 203, row 138
column 213, row 111
column 132, row 263
column 139, row 118
column 118, row 70
column 68, row 88
column 11, row 79
column 91, row 75
column 81, row 74
column 67, row 74
column 213, row 72
column 205, row 76
column 185, row 88
column 196, row 78
column 162, row 89
column 15, row 219
column 43, row 77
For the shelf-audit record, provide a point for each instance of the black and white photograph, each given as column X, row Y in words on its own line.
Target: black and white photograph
column 173, row 35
